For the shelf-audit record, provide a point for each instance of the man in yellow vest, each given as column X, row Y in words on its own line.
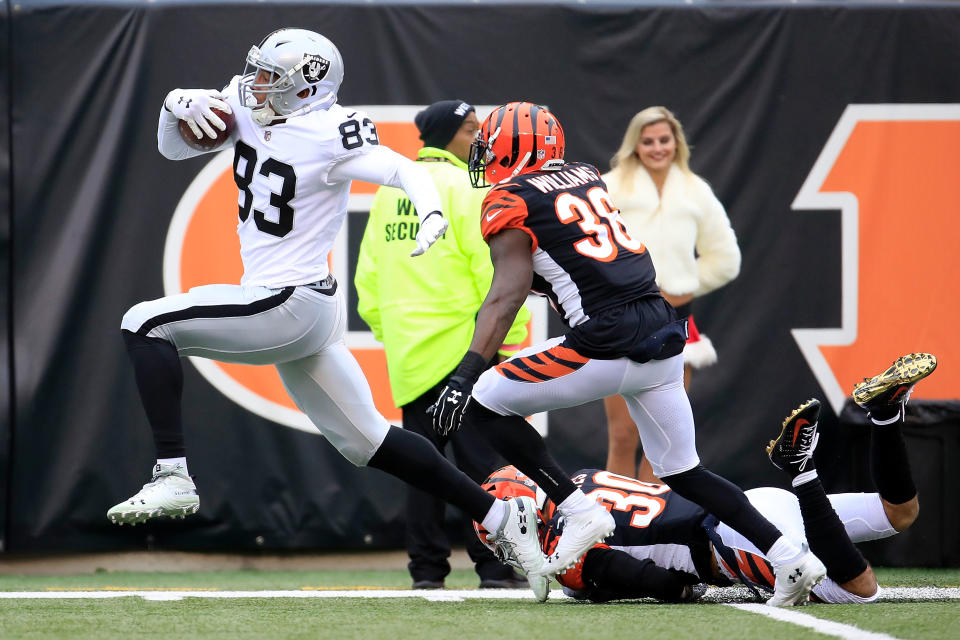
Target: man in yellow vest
column 423, row 310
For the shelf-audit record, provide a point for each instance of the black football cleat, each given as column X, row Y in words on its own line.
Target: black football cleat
column 891, row 389
column 792, row 450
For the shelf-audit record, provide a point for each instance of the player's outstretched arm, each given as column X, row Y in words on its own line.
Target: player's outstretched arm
column 382, row 165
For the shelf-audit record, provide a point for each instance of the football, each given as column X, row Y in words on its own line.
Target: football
column 207, row 143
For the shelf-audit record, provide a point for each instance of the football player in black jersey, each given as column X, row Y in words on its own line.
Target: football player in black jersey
column 664, row 544
column 552, row 228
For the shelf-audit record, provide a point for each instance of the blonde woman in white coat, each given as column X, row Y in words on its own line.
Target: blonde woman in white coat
column 688, row 234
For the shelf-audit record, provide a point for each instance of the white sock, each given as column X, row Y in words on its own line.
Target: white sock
column 806, row 476
column 783, row 552
column 491, row 521
column 174, row 461
column 575, row 503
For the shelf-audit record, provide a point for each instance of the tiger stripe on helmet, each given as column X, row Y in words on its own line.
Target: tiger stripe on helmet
column 514, row 135
column 534, row 112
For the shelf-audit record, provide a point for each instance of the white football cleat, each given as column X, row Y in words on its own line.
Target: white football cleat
column 795, row 581
column 516, row 541
column 541, row 586
column 171, row 492
column 581, row 531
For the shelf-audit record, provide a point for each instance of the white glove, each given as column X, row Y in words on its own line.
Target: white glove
column 432, row 227
column 194, row 106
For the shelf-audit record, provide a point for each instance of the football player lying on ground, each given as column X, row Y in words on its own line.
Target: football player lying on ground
column 664, row 545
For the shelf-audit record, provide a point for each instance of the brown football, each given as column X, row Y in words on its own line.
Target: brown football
column 206, row 143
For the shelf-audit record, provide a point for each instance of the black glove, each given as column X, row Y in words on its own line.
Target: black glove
column 447, row 412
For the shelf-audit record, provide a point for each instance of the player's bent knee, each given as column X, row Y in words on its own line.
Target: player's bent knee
column 134, row 318
column 357, row 442
column 357, row 456
column 676, row 470
column 901, row 516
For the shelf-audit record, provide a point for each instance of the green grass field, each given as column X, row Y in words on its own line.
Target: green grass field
column 418, row 617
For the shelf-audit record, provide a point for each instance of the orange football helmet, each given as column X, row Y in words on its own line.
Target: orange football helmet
column 506, row 483
column 516, row 138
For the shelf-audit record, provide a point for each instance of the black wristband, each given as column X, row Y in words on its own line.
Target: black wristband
column 471, row 366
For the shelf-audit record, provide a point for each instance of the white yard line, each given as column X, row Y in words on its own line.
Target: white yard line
column 826, row 627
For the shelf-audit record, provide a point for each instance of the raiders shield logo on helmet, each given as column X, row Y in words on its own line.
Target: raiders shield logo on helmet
column 314, row 67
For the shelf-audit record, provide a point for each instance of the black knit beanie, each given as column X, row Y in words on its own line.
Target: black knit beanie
column 439, row 122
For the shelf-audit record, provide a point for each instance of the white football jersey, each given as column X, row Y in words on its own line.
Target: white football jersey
column 294, row 181
column 289, row 213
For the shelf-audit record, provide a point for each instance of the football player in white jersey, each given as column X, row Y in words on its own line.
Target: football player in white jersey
column 296, row 152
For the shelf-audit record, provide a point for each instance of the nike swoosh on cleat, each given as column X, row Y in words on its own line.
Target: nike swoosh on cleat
column 796, row 430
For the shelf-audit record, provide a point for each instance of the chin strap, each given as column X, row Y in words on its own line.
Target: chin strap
column 266, row 115
column 520, row 166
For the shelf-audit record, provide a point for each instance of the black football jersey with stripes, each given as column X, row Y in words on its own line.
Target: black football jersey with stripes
column 584, row 259
column 645, row 513
column 651, row 521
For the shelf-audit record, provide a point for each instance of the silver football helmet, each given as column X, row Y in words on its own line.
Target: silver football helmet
column 284, row 65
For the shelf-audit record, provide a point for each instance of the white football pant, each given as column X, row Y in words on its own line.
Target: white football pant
column 550, row 376
column 861, row 513
column 298, row 329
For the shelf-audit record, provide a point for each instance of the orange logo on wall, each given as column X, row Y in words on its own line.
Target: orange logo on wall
column 202, row 247
column 892, row 172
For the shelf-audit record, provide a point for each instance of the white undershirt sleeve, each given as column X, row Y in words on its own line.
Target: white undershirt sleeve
column 382, row 165
column 169, row 142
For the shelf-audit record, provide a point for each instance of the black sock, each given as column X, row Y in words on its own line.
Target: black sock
column 516, row 440
column 413, row 459
column 725, row 500
column 826, row 536
column 159, row 375
column 887, row 412
column 889, row 464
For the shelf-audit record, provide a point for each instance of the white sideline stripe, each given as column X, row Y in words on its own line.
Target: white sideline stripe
column 826, row 627
column 450, row 595
column 435, row 595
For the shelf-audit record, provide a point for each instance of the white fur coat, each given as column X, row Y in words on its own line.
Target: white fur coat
column 687, row 217
column 688, row 234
